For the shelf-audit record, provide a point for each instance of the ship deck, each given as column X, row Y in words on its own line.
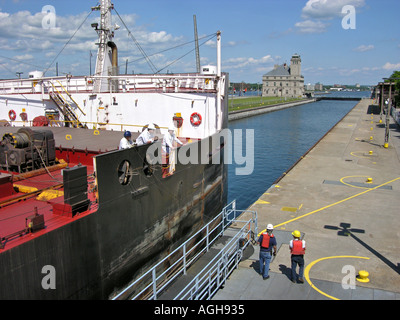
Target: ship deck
column 33, row 190
column 349, row 222
column 74, row 146
column 80, row 139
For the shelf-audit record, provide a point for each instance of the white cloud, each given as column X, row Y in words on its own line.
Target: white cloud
column 327, row 9
column 23, row 36
column 391, row 66
column 309, row 26
column 364, row 48
column 316, row 12
column 244, row 62
column 24, row 57
column 156, row 37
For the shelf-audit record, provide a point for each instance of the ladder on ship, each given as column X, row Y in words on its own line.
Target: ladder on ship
column 66, row 109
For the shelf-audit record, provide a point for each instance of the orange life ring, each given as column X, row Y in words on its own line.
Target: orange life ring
column 195, row 119
column 12, row 115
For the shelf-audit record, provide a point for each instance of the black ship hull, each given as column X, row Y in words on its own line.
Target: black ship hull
column 141, row 217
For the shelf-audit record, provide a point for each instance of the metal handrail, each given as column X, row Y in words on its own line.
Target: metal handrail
column 184, row 261
column 53, row 122
column 70, row 96
column 81, row 83
column 210, row 278
column 70, row 107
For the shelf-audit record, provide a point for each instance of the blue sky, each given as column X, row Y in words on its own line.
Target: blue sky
column 256, row 35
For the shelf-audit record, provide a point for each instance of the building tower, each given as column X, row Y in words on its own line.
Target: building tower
column 295, row 65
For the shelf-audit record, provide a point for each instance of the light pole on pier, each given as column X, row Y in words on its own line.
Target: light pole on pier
column 388, row 108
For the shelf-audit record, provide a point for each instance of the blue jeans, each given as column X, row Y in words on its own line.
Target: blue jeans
column 297, row 260
column 265, row 258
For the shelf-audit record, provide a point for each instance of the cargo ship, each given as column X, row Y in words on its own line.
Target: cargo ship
column 80, row 219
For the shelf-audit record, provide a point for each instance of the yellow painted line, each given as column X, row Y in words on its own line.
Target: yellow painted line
column 307, row 272
column 259, row 201
column 355, row 155
column 291, row 209
column 350, row 185
column 333, row 204
column 338, row 202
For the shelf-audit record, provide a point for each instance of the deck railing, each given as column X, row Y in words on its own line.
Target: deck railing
column 126, row 83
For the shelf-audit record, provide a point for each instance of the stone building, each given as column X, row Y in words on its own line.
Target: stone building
column 284, row 80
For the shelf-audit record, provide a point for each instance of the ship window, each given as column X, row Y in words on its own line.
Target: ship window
column 125, row 172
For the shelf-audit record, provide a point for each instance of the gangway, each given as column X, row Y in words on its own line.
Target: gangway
column 202, row 266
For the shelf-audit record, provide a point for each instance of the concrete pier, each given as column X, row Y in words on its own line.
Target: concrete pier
column 245, row 113
column 344, row 197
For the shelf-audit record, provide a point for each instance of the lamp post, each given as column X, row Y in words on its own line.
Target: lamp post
column 388, row 109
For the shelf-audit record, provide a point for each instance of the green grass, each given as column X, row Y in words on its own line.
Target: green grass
column 236, row 104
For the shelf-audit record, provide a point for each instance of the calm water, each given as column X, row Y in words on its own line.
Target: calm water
column 280, row 139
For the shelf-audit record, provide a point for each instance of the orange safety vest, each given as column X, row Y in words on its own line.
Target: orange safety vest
column 265, row 240
column 297, row 248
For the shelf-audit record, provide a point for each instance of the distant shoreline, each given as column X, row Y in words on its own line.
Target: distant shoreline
column 240, row 114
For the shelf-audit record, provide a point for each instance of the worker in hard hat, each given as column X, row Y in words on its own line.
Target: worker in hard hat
column 147, row 135
column 126, row 141
column 169, row 140
column 297, row 249
column 267, row 242
column 168, row 146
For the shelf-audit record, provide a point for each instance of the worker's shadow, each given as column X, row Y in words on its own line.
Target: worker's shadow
column 256, row 266
column 286, row 271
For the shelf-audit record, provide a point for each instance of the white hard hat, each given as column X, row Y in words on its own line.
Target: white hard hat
column 270, row 227
column 171, row 128
column 151, row 127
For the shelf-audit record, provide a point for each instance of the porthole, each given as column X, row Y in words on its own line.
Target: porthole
column 124, row 173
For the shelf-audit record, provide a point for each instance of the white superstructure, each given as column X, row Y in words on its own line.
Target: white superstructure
column 110, row 101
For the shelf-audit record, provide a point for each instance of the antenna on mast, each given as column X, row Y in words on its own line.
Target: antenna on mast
column 196, row 38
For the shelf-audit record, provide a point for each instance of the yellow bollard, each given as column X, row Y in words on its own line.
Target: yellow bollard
column 371, row 152
column 363, row 276
column 371, row 138
column 369, row 180
column 386, row 145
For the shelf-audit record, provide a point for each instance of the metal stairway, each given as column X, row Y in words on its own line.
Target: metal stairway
column 69, row 114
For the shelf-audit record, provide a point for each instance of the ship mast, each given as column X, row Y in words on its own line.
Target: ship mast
column 106, row 35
